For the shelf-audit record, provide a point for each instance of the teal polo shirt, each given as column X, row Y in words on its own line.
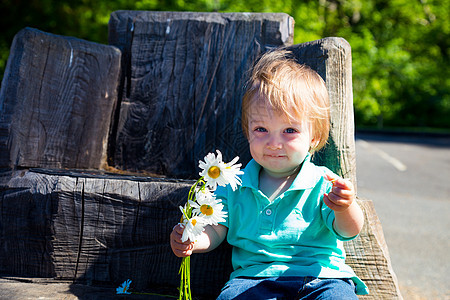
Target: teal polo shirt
column 291, row 236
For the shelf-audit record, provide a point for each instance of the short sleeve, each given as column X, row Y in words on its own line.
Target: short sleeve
column 221, row 194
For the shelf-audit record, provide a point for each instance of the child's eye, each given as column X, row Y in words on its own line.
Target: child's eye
column 260, row 129
column 290, row 130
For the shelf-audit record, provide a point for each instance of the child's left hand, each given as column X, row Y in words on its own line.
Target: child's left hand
column 341, row 195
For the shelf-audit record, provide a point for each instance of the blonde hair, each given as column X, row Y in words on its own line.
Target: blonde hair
column 289, row 88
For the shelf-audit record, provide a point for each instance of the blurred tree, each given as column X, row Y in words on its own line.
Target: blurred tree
column 400, row 48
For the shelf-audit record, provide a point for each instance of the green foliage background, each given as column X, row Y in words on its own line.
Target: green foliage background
column 400, row 48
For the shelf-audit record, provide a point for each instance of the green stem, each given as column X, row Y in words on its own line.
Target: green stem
column 192, row 194
column 188, row 278
column 185, row 268
column 185, row 282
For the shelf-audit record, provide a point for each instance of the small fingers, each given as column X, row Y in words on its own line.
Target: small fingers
column 331, row 177
column 179, row 228
column 344, row 193
column 341, row 187
column 182, row 250
column 337, row 199
column 343, row 184
column 179, row 248
column 336, row 203
column 328, row 202
column 338, row 181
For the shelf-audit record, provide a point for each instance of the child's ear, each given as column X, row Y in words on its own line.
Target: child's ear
column 314, row 143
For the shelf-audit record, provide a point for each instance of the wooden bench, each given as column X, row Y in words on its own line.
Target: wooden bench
column 99, row 145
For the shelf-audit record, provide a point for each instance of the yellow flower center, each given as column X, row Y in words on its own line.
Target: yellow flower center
column 206, row 209
column 214, row 172
column 194, row 221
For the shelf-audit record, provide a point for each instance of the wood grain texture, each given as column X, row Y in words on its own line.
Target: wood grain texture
column 183, row 79
column 368, row 256
column 57, row 99
column 102, row 228
column 331, row 58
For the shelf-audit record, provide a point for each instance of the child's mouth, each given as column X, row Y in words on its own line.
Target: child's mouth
column 274, row 156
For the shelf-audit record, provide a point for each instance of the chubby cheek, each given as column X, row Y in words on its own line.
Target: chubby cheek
column 299, row 157
column 256, row 147
column 297, row 151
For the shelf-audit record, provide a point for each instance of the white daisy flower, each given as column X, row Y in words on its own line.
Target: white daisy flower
column 204, row 195
column 209, row 208
column 216, row 172
column 193, row 227
column 231, row 172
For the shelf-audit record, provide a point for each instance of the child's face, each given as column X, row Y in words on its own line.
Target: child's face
column 278, row 144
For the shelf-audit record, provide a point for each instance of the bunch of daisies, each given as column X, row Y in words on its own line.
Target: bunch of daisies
column 202, row 208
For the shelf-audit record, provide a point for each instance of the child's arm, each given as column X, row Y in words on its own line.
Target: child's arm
column 349, row 216
column 207, row 241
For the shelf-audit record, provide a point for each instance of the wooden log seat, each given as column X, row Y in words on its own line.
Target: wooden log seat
column 101, row 229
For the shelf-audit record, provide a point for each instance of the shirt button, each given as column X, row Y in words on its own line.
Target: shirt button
column 268, row 212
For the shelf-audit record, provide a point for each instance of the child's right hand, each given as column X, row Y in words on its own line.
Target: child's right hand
column 179, row 248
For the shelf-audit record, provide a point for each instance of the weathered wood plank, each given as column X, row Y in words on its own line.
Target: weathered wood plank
column 183, row 80
column 368, row 255
column 56, row 102
column 25, row 219
column 331, row 58
column 98, row 228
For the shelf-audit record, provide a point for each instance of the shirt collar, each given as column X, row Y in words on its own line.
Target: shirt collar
column 307, row 177
column 250, row 178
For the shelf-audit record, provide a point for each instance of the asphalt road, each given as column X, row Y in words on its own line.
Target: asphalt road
column 407, row 177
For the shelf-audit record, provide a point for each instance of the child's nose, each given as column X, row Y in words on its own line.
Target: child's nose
column 274, row 143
